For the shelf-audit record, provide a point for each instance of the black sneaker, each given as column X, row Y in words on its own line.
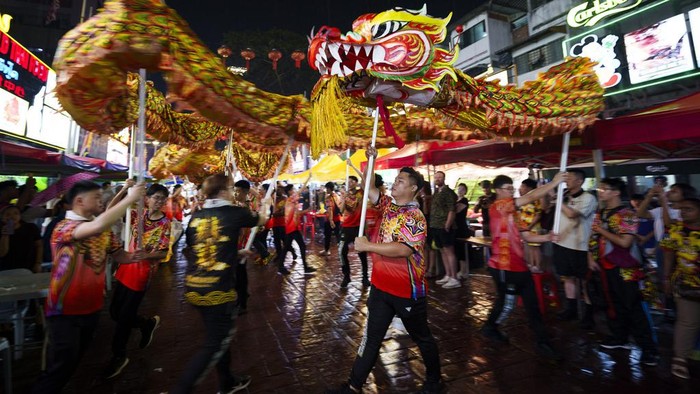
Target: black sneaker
column 115, row 367
column 241, row 382
column 345, row 282
column 366, row 282
column 649, row 358
column 344, row 389
column 283, row 271
column 493, row 334
column 147, row 332
column 546, row 350
column 612, row 343
column 309, row 270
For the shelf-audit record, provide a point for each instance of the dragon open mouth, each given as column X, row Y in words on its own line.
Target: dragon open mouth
column 343, row 60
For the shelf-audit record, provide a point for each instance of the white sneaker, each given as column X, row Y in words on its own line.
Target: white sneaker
column 443, row 280
column 462, row 276
column 452, row 284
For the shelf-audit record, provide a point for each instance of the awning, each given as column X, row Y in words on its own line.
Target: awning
column 417, row 154
column 22, row 159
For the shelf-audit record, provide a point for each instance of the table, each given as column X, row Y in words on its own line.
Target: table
column 24, row 287
column 14, row 288
column 484, row 242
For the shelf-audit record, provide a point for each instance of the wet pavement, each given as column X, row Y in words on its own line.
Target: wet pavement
column 300, row 335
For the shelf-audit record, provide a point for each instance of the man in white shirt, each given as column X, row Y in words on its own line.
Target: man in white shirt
column 571, row 251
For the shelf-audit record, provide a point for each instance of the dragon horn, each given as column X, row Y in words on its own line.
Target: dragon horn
column 310, row 37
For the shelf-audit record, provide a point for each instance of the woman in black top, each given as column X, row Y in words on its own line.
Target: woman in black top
column 20, row 242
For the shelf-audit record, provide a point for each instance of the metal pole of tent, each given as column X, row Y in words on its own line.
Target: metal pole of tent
column 599, row 167
column 347, row 171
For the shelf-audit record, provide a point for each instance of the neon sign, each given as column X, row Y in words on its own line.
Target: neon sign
column 21, row 73
column 5, row 20
column 585, row 15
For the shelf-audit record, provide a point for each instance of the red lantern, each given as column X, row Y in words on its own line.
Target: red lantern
column 274, row 55
column 298, row 56
column 224, row 51
column 248, row 54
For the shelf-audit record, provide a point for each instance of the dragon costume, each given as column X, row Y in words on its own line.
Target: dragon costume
column 392, row 54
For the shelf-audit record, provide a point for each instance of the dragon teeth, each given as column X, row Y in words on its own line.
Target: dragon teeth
column 347, row 48
column 334, row 48
column 336, row 69
column 347, row 70
column 378, row 54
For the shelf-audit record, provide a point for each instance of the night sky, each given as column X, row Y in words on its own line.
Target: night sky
column 210, row 19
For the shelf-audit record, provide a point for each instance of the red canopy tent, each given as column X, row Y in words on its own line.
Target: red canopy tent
column 417, row 154
column 667, row 131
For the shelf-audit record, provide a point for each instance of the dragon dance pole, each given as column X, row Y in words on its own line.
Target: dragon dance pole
column 347, row 171
column 229, row 155
column 560, row 187
column 140, row 152
column 368, row 177
column 268, row 194
column 132, row 156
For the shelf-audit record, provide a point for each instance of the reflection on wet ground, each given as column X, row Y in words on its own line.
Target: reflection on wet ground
column 301, row 332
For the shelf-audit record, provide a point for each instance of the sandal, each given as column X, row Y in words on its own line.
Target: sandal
column 679, row 368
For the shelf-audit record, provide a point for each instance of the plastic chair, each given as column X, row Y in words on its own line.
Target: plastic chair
column 308, row 224
column 6, row 357
column 15, row 312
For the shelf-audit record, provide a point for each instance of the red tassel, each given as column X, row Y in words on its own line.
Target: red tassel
column 388, row 127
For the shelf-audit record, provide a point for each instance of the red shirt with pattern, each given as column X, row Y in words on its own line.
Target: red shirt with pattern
column 353, row 208
column 291, row 214
column 618, row 221
column 332, row 207
column 277, row 217
column 78, row 274
column 507, row 252
column 401, row 276
column 156, row 238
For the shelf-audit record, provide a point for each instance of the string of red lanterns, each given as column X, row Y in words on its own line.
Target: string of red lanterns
column 274, row 55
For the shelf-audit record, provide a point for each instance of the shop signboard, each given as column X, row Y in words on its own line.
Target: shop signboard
column 659, row 50
column 21, row 72
column 694, row 18
column 13, row 113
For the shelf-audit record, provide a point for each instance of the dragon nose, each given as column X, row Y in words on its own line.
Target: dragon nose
column 328, row 32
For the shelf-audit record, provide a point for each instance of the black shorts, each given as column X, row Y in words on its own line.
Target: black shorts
column 441, row 237
column 348, row 234
column 570, row 262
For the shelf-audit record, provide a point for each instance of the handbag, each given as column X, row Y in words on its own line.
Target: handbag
column 623, row 258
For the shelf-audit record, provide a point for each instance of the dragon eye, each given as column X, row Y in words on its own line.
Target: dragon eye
column 384, row 29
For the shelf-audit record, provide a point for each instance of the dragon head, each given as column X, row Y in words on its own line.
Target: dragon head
column 392, row 53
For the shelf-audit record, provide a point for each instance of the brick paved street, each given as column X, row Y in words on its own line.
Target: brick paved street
column 301, row 333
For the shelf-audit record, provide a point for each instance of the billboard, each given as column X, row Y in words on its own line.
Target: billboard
column 13, row 113
column 694, row 17
column 659, row 50
column 21, row 73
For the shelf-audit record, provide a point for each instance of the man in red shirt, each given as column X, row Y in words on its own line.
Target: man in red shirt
column 291, row 229
column 80, row 244
column 399, row 287
column 507, row 264
column 351, row 206
column 332, row 225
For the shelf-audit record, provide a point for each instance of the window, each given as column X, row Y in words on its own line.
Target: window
column 473, row 34
column 540, row 57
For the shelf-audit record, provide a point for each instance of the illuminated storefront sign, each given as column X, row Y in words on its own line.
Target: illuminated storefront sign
column 5, row 20
column 603, row 53
column 590, row 13
column 21, row 73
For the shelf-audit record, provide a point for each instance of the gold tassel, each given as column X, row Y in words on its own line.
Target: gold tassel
column 328, row 123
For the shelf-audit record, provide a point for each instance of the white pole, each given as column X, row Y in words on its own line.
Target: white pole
column 560, row 188
column 370, row 170
column 126, row 232
column 273, row 186
column 347, row 171
column 229, row 155
column 140, row 151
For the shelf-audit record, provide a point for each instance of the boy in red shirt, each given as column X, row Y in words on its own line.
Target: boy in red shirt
column 80, row 244
column 134, row 278
column 291, row 229
column 507, row 264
